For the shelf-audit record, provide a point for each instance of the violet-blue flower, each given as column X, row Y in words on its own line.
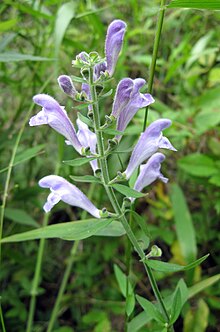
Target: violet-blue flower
column 62, row 190
column 150, row 172
column 113, row 43
column 66, row 85
column 128, row 100
column 88, row 139
column 56, row 117
column 149, row 142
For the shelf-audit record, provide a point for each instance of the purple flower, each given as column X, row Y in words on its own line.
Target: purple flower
column 113, row 43
column 56, row 117
column 62, row 190
column 149, row 142
column 128, row 100
column 150, row 172
column 99, row 69
column 66, row 85
column 88, row 139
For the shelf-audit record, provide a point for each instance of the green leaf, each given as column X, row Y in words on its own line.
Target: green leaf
column 64, row 15
column 197, row 320
column 150, row 309
column 85, row 120
column 26, row 155
column 215, row 179
column 196, row 4
column 200, row 286
column 71, row 231
column 184, row 225
column 79, row 161
column 176, row 307
column 126, row 191
column 85, row 178
column 169, row 267
column 197, row 164
column 20, row 216
column 113, row 132
column 11, row 57
column 106, row 94
column 77, row 79
column 115, row 228
column 122, row 280
column 143, row 225
column 138, row 322
column 8, row 25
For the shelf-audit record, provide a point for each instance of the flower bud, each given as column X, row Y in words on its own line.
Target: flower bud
column 66, row 85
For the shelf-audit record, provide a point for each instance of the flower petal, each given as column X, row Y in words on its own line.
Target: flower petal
column 128, row 100
column 56, row 117
column 150, row 172
column 149, row 142
column 63, row 190
column 88, row 139
column 113, row 43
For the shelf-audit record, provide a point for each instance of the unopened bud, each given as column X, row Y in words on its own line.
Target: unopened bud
column 66, row 85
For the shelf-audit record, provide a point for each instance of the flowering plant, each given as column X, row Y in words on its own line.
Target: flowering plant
column 91, row 141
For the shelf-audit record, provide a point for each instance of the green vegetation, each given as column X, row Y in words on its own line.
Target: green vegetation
column 38, row 41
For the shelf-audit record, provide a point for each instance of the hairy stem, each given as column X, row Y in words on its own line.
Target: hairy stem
column 113, row 199
column 155, row 52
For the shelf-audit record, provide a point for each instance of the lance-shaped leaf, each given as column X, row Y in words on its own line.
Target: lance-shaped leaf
column 128, row 100
column 149, row 142
column 62, row 190
column 113, row 43
column 150, row 172
column 66, row 85
column 56, row 117
column 88, row 139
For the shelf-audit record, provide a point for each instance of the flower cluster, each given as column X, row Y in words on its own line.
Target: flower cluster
column 127, row 101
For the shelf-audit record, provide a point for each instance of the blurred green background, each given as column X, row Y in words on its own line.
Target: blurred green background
column 39, row 39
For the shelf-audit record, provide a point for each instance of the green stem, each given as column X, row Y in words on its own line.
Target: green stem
column 63, row 286
column 128, row 267
column 2, row 320
column 34, row 290
column 67, row 272
column 155, row 52
column 113, row 199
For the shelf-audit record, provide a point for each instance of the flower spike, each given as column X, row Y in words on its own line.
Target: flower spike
column 150, row 172
column 56, row 117
column 149, row 142
column 62, row 190
column 128, row 100
column 113, row 43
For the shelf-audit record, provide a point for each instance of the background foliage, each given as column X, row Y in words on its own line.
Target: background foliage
column 38, row 42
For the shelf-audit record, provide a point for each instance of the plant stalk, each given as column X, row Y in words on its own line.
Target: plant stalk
column 113, row 199
column 155, row 53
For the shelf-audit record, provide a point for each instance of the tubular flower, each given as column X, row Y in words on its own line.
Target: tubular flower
column 128, row 100
column 150, row 172
column 88, row 139
column 113, row 43
column 66, row 85
column 149, row 142
column 56, row 117
column 62, row 190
